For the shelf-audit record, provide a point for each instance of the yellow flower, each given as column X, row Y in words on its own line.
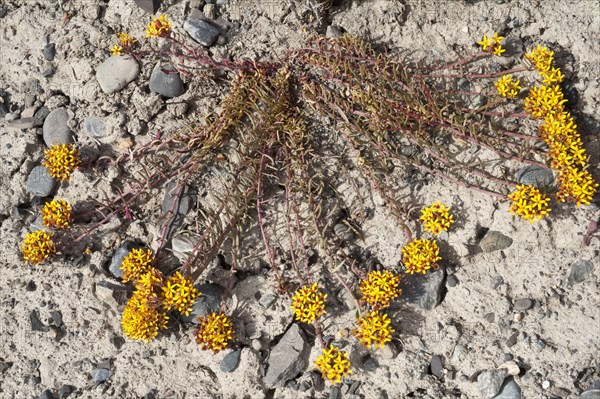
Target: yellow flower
column 485, row 42
column 496, row 38
column 57, row 214
column 420, row 255
column 116, row 50
column 577, row 186
column 498, row 50
column 215, row 332
column 150, row 282
column 37, row 247
column 308, row 303
column 333, row 364
column 374, row 330
column 136, row 263
column 179, row 293
column 436, row 218
column 507, row 87
column 126, row 40
column 552, row 75
column 529, row 203
column 159, row 27
column 544, row 101
column 61, row 160
column 541, row 57
column 143, row 317
column 380, row 288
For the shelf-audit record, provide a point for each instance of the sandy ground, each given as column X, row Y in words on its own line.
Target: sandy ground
column 471, row 329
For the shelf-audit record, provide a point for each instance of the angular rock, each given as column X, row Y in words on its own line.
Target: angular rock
column 495, row 241
column 56, row 128
column 424, row 290
column 186, row 201
column 489, row 382
column 100, row 375
column 36, row 323
column 267, row 300
column 208, row 302
column 288, row 358
column 165, row 80
column 117, row 72
column 65, row 391
column 580, row 271
column 95, row 127
column 150, row 6
column 47, row 394
column 41, row 113
column 39, row 182
column 49, row 51
column 335, row 392
column 230, row 361
column 369, row 363
column 201, row 31
column 510, row 390
column 24, row 123
column 536, row 176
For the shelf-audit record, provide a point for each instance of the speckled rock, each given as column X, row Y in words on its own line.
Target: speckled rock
column 39, row 182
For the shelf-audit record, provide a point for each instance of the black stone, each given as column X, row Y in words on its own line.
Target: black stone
column 49, row 51
column 36, row 323
column 150, row 6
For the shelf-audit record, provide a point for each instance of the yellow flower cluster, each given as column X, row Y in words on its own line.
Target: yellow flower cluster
column 215, row 332
column 179, row 293
column 126, row 43
column 137, row 263
column 308, row 303
column 543, row 58
column 61, row 160
column 493, row 43
column 143, row 317
column 374, row 329
column 436, row 218
column 333, row 364
column 419, row 256
column 545, row 101
column 38, row 246
column 379, row 288
column 57, row 214
column 529, row 203
column 159, row 27
column 559, row 132
column 507, row 87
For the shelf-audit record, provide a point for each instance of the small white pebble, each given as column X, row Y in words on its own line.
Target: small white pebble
column 546, row 384
column 465, row 29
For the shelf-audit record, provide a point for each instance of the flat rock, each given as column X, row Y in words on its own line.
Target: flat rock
column 36, row 323
column 230, row 361
column 201, row 31
column 117, row 72
column 208, row 302
column 39, row 182
column 24, row 123
column 523, row 304
column 166, row 81
column 150, row 6
column 100, row 375
column 288, row 358
column 489, row 382
column 510, row 390
column 536, row 176
column 118, row 256
column 95, row 127
column 495, row 241
column 56, row 128
column 424, row 290
column 580, row 271
column 436, row 366
column 185, row 202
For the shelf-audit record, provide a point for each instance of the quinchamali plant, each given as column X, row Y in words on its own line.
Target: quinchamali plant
column 281, row 127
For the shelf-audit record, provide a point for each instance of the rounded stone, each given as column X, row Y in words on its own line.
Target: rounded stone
column 165, row 80
column 56, row 129
column 117, row 72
